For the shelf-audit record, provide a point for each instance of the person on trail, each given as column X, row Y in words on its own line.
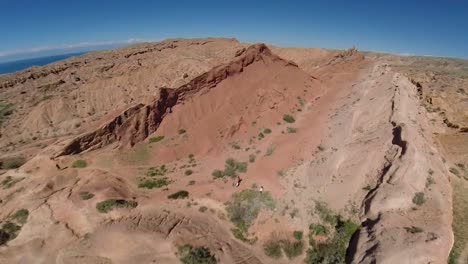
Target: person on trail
column 261, row 189
column 239, row 180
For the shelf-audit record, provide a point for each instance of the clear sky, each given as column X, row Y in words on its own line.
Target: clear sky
column 34, row 27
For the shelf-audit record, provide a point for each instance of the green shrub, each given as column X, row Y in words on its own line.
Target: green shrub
column 267, row 131
column 157, row 171
column 11, row 229
column 252, row 158
column 156, row 139
column 419, row 198
column 79, row 164
column 217, row 174
column 188, row 172
column 86, row 195
column 12, row 163
column 179, row 195
column 273, row 249
column 109, row 205
column 235, row 146
column 298, row 235
column 21, row 216
column 292, row 130
column 232, row 168
column 429, row 181
column 333, row 250
column 289, row 119
column 4, row 237
column 261, row 136
column 245, row 207
column 202, row 208
column 293, row 249
column 198, row 255
column 154, row 183
column 6, row 109
column 318, row 230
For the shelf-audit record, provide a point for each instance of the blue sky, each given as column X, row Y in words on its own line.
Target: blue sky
column 33, row 27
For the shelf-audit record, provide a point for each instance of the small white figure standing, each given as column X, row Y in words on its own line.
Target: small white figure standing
column 261, row 189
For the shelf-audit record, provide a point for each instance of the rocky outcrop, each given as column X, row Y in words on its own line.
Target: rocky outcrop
column 138, row 122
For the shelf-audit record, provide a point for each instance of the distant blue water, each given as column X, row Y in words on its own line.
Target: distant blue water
column 13, row 66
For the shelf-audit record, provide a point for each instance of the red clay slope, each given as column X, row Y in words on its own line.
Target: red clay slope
column 138, row 122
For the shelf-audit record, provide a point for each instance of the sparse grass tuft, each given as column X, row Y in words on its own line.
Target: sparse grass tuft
column 267, row 131
column 179, row 195
column 419, row 198
column 318, row 230
column 192, row 182
column 156, row 139
column 293, row 249
column 429, row 181
column 156, row 183
column 291, row 130
column 454, row 171
column 86, row 195
column 109, row 205
column 188, row 172
column 252, row 158
column 79, row 164
column 325, row 213
column 202, row 208
column 9, row 182
column 289, row 119
column 261, row 136
column 12, row 163
column 270, row 151
column 414, row 230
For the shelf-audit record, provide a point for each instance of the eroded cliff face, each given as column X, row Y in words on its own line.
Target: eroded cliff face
column 137, row 122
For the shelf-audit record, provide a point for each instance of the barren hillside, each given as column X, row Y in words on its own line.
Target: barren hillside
column 220, row 151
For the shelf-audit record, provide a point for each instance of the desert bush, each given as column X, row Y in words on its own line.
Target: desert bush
column 232, row 168
column 245, row 207
column 156, row 139
column 252, row 158
column 21, row 216
column 12, row 163
column 273, row 249
column 293, row 249
column 267, row 131
column 325, row 213
column 109, row 205
column 79, row 164
column 188, row 172
column 4, row 237
column 333, row 250
column 179, row 195
column 202, row 208
column 298, row 235
column 261, row 136
column 157, row 171
column 289, row 119
column 318, row 230
column 419, row 198
column 291, row 130
column 86, row 195
column 198, row 255
column 154, row 183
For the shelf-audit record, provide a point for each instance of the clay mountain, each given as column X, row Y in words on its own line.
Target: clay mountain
column 216, row 151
